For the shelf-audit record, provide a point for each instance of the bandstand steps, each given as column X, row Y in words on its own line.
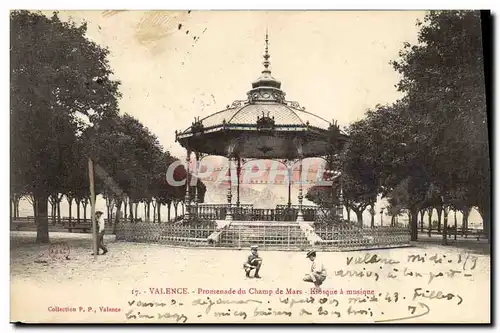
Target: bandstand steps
column 311, row 235
column 265, row 235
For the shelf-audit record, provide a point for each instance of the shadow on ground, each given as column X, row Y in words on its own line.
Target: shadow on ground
column 471, row 246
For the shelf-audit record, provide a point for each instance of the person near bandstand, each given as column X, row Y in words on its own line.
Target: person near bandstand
column 254, row 261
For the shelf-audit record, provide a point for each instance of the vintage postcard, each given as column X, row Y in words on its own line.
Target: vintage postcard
column 249, row 167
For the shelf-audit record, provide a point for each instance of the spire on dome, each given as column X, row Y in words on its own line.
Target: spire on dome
column 266, row 88
column 266, row 62
column 266, row 80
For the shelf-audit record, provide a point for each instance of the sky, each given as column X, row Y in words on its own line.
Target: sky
column 175, row 66
column 335, row 63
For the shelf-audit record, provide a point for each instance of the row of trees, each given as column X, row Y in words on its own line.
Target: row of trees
column 64, row 109
column 429, row 149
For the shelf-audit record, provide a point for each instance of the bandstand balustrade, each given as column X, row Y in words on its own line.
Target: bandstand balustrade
column 246, row 212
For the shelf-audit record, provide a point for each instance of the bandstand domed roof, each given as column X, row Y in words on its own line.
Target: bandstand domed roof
column 242, row 113
column 266, row 114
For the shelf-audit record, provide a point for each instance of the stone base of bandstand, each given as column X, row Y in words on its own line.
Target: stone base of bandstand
column 268, row 235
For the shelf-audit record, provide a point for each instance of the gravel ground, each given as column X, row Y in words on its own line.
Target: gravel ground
column 43, row 278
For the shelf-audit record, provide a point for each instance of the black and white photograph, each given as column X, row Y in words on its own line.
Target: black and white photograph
column 250, row 166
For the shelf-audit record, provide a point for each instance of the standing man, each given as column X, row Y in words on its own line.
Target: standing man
column 253, row 262
column 101, row 226
column 318, row 271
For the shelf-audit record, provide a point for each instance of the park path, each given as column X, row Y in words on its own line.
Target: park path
column 39, row 281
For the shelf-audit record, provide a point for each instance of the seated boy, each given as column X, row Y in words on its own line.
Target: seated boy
column 318, row 272
column 253, row 262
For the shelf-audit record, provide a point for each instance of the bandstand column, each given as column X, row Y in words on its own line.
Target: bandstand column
column 195, row 174
column 300, row 215
column 238, row 171
column 187, row 198
column 229, row 213
column 340, row 208
column 289, row 169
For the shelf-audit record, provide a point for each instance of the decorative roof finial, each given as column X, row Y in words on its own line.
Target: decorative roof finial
column 266, row 56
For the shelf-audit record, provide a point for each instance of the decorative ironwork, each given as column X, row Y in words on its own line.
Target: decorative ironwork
column 197, row 126
column 278, row 235
column 238, row 103
column 264, row 149
column 265, row 94
column 265, row 122
column 279, row 96
column 295, row 105
column 334, row 133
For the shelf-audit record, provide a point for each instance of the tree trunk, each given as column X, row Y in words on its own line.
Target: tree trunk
column 41, row 217
column 429, row 212
column 34, row 207
column 54, row 213
column 455, row 231
column 440, row 213
column 84, row 204
column 348, row 214
column 77, row 210
column 169, row 206
column 359, row 216
column 117, row 216
column 154, row 204
column 70, row 204
column 131, row 210
column 413, row 224
column 372, row 213
column 136, row 208
column 182, row 208
column 158, row 208
column 109, row 209
column 17, row 207
column 445, row 226
column 422, row 215
column 485, row 214
column 176, row 204
column 149, row 211
column 487, row 224
column 58, row 204
column 125, row 209
column 465, row 220
column 52, row 210
column 136, row 212
column 14, row 207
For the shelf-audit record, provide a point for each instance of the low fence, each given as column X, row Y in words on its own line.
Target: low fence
column 282, row 236
column 165, row 233
column 350, row 237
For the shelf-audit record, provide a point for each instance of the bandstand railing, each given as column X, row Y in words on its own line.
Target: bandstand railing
column 247, row 212
column 209, row 211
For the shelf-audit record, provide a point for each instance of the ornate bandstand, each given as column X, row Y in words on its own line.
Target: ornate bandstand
column 265, row 126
